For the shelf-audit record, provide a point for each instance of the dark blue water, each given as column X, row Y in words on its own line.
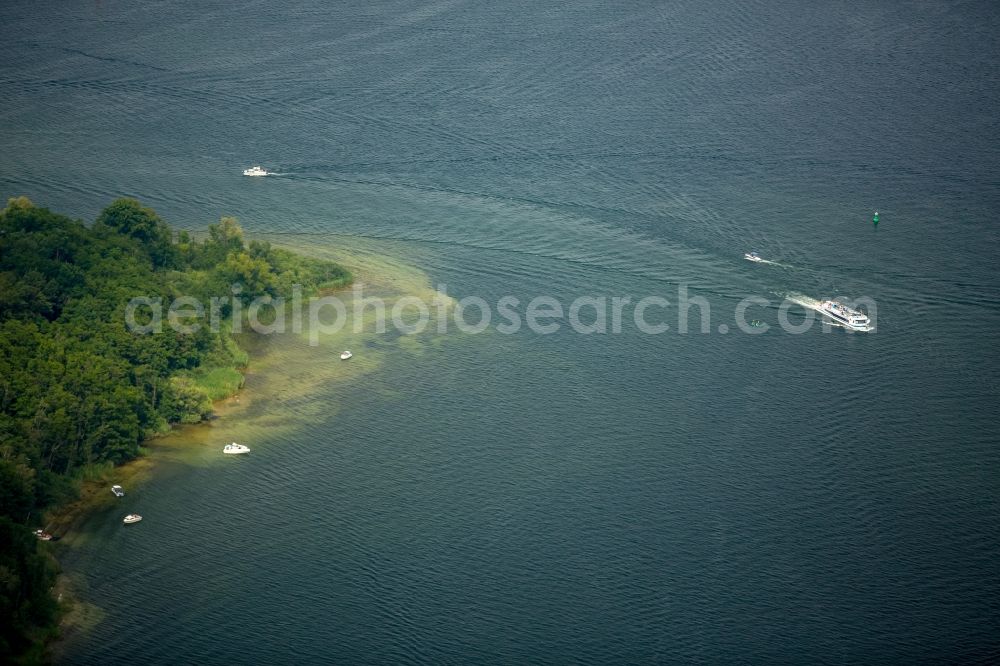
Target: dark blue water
column 717, row 498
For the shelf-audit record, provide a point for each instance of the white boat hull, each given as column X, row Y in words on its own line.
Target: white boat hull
column 853, row 327
column 862, row 326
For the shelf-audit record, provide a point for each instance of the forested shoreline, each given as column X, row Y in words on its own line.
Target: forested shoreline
column 78, row 389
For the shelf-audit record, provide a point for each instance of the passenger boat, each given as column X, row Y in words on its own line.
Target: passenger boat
column 235, row 449
column 118, row 491
column 846, row 316
column 132, row 518
column 256, row 171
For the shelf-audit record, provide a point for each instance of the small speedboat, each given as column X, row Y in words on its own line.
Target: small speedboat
column 118, row 491
column 344, row 355
column 131, row 518
column 43, row 535
column 752, row 256
column 256, row 171
column 234, row 449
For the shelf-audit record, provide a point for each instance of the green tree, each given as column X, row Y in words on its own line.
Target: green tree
column 185, row 402
column 254, row 274
column 227, row 233
column 129, row 217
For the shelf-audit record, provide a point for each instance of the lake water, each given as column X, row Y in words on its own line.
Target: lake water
column 824, row 497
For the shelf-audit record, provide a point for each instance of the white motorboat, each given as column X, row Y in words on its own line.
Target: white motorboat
column 752, row 256
column 256, row 171
column 118, row 491
column 235, row 449
column 132, row 518
column 846, row 316
column 43, row 535
column 344, row 355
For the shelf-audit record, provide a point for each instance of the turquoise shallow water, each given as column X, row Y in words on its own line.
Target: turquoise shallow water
column 813, row 498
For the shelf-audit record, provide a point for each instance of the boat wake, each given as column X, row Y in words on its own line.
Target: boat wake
column 757, row 259
column 810, row 304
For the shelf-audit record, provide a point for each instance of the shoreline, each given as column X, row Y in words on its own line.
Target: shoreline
column 95, row 489
column 273, row 365
column 65, row 521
